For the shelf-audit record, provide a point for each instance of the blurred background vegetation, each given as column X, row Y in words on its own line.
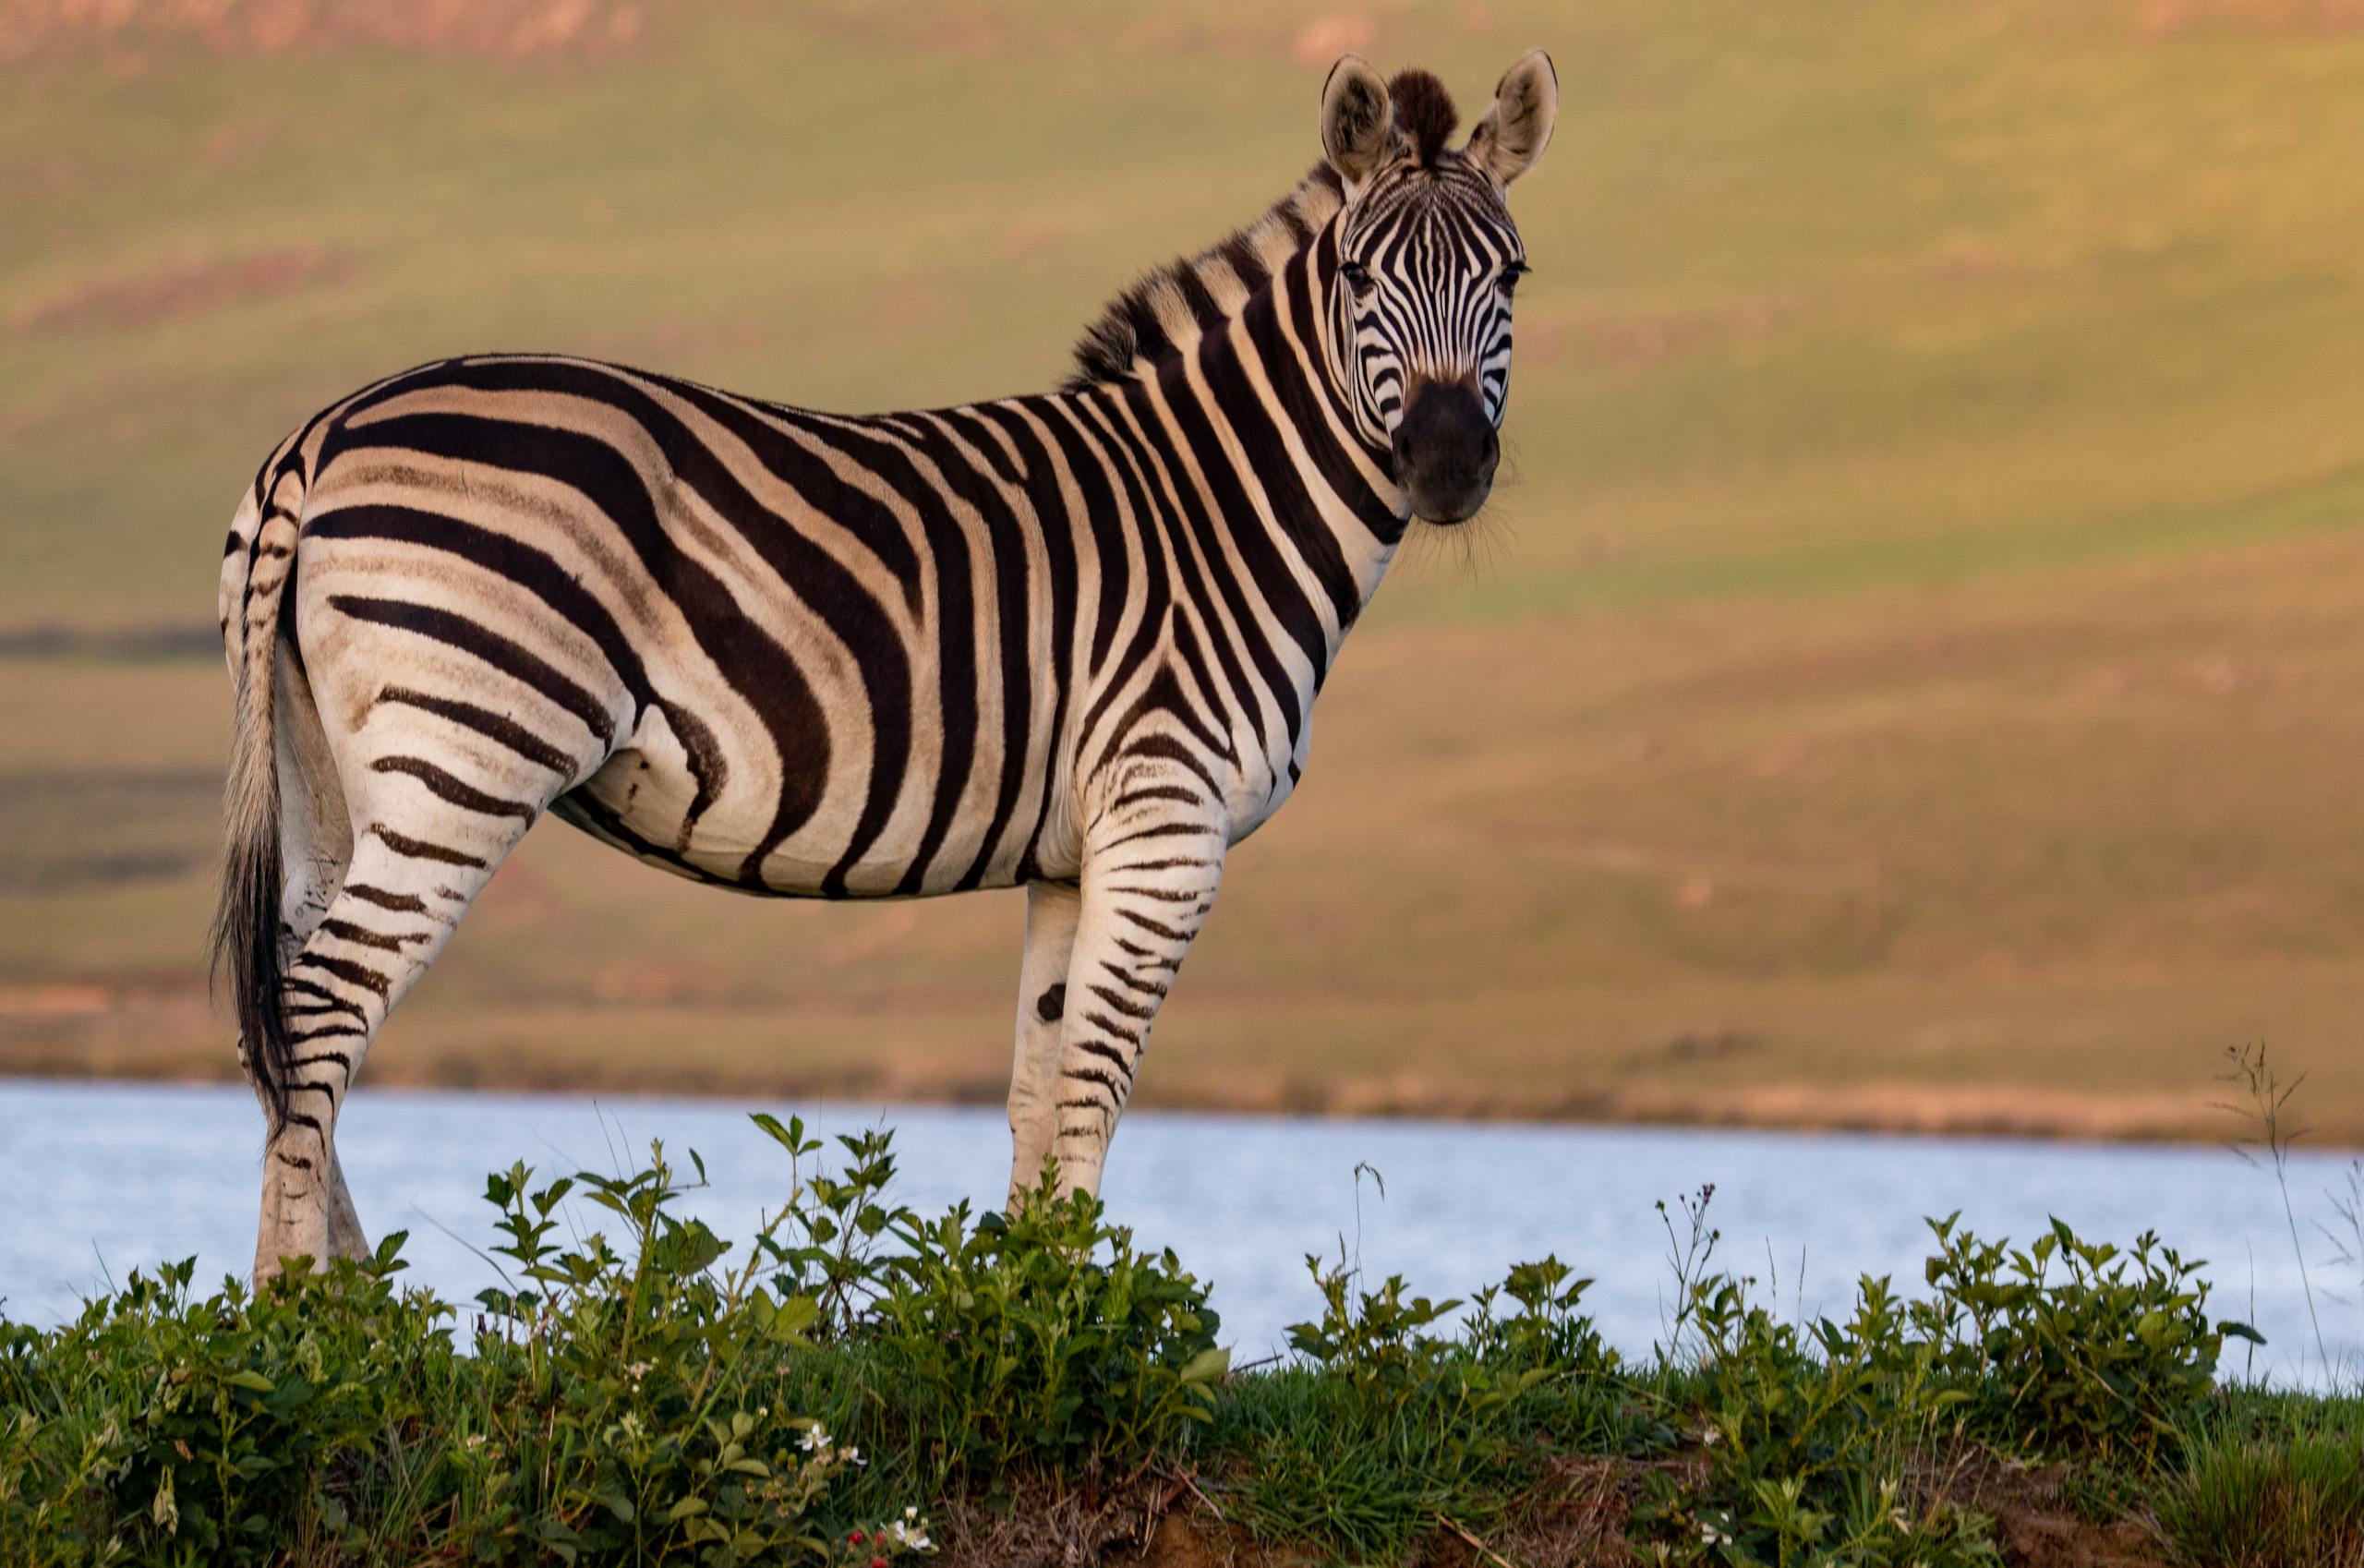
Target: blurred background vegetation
column 1908, row 681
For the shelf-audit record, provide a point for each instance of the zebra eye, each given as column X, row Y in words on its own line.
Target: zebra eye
column 1512, row 274
column 1358, row 276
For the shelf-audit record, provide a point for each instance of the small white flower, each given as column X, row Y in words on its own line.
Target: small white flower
column 908, row 1537
column 475, row 1440
column 815, row 1439
column 1710, row 1435
column 638, row 1369
column 912, row 1512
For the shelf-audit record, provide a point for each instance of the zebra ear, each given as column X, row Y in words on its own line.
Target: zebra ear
column 1357, row 118
column 1518, row 127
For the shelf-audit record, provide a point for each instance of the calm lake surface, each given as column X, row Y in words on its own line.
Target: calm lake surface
column 106, row 1178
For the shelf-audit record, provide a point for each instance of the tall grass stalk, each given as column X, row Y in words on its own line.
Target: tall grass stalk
column 2249, row 1069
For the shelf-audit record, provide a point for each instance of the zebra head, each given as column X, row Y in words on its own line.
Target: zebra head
column 1426, row 260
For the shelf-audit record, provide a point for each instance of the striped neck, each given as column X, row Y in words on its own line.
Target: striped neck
column 1275, row 441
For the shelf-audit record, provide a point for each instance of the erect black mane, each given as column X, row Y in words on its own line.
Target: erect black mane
column 1173, row 306
column 1170, row 309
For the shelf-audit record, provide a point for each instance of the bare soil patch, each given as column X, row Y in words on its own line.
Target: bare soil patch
column 1575, row 1517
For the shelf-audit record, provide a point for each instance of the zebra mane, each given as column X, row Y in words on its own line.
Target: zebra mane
column 1169, row 309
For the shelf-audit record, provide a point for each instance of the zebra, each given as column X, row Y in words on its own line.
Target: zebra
column 1067, row 641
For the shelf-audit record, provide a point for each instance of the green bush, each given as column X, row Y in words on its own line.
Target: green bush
column 1807, row 1440
column 617, row 1404
column 1547, row 1329
column 1377, row 1341
column 651, row 1371
column 1386, row 1429
column 2104, row 1357
column 1809, row 1436
column 164, row 1428
column 649, row 1391
column 1048, row 1338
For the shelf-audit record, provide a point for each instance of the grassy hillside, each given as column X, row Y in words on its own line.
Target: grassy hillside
column 1908, row 682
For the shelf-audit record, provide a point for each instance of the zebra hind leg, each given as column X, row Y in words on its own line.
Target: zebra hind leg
column 316, row 850
column 400, row 900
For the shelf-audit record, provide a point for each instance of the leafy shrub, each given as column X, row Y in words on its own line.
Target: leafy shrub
column 1376, row 1339
column 619, row 1404
column 175, row 1430
column 825, row 1246
column 1807, row 1434
column 1048, row 1337
column 654, row 1368
column 1378, row 1343
column 650, row 1392
column 1548, row 1329
column 1386, row 1429
column 1806, row 1439
column 2104, row 1357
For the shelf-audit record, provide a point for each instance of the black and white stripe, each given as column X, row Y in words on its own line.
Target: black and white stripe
column 1069, row 641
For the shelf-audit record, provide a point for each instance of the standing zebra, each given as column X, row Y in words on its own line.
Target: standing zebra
column 1070, row 639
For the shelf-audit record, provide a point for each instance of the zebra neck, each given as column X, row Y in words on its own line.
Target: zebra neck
column 1264, row 385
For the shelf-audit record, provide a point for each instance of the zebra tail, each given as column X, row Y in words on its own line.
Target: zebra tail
column 246, row 923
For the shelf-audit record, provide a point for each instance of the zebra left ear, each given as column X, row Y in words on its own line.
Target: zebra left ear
column 1356, row 119
column 1518, row 127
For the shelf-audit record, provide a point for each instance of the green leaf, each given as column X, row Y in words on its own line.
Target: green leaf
column 1206, row 1365
column 790, row 1138
column 794, row 1317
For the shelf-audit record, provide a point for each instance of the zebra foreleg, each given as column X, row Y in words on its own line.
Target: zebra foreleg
column 1052, row 910
column 1148, row 883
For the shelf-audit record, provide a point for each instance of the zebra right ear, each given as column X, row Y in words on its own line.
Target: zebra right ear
column 1517, row 125
column 1357, row 118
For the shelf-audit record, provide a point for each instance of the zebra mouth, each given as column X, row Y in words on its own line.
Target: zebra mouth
column 1452, row 515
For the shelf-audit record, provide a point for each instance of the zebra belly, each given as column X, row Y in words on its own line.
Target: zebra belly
column 654, row 802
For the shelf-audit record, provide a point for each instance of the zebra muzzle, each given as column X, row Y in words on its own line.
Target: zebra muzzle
column 1446, row 450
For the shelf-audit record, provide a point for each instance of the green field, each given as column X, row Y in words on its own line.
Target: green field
column 1908, row 681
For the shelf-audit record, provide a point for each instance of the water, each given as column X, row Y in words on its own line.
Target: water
column 104, row 1177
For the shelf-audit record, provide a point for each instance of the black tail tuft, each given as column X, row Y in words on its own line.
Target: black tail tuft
column 245, row 923
column 246, row 949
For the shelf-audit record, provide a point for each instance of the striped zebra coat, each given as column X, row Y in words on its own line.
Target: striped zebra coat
column 1069, row 641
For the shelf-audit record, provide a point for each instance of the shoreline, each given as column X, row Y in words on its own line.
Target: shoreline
column 1991, row 1111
